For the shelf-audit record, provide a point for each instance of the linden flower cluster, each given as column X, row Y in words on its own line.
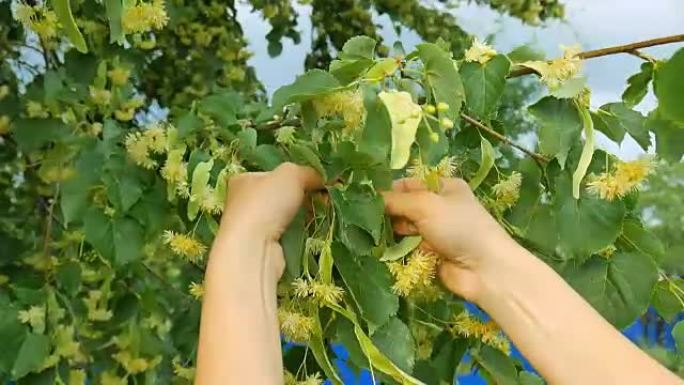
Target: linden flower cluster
column 312, row 379
column 555, row 72
column 134, row 365
column 96, row 303
column 37, row 18
column 488, row 332
column 507, row 191
column 144, row 16
column 347, row 104
column 186, row 373
column 625, row 177
column 34, row 316
column 109, row 378
column 175, row 170
column 296, row 326
column 479, row 52
column 321, row 293
column 141, row 144
column 430, row 175
column 196, row 290
column 415, row 274
column 184, row 245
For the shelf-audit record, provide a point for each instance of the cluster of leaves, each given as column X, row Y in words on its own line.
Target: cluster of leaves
column 107, row 214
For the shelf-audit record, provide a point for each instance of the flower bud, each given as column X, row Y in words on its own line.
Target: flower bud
column 447, row 123
column 441, row 107
column 434, row 137
column 430, row 109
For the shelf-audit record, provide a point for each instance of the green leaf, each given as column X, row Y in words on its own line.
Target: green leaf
column 484, row 84
column 587, row 151
column 69, row 277
column 187, row 124
column 619, row 288
column 560, row 127
column 442, row 78
column 12, row 334
column 33, row 351
column 529, row 378
column 76, row 190
column 405, row 116
column 394, row 339
column 66, row 19
column 267, row 157
column 98, row 232
column 587, row 225
column 401, row 249
column 442, row 367
column 605, row 123
column 678, row 335
column 358, row 47
column 344, row 334
column 668, row 136
column 486, row 164
column 305, row 87
column 31, row 134
column 372, row 294
column 114, row 10
column 618, row 118
column 200, row 180
column 499, row 366
column 668, row 299
column 637, row 85
column 360, row 206
column 376, row 138
column 247, row 139
column 292, row 242
column 669, row 87
column 635, row 237
column 221, row 107
column 380, row 361
column 128, row 240
column 302, row 153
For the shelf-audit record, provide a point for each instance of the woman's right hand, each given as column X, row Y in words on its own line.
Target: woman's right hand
column 454, row 225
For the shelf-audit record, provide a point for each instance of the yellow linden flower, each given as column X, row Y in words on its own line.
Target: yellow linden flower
column 607, row 251
column 479, row 52
column 196, row 290
column 125, row 114
column 326, row 293
column 417, row 273
column 4, row 91
column 109, row 378
column 446, row 168
column 301, row 287
column 488, row 332
column 134, row 365
column 119, row 76
column 37, row 18
column 347, row 104
column 100, row 97
column 138, row 148
column 626, row 177
column 77, row 377
column 24, row 13
column 289, row 378
column 423, row 340
column 296, row 326
column 285, row 135
column 184, row 245
column 553, row 73
column 5, row 124
column 34, row 316
column 35, row 110
column 508, row 191
column 312, row 379
column 65, row 343
column 175, row 171
column 187, row 373
column 209, row 202
column 144, row 17
column 156, row 138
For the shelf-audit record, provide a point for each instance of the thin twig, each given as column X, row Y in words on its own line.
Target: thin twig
column 627, row 48
column 538, row 157
column 48, row 226
column 643, row 55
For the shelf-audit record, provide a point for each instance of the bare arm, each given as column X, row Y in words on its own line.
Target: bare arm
column 239, row 335
column 563, row 337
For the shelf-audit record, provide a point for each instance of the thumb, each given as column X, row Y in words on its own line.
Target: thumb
column 410, row 205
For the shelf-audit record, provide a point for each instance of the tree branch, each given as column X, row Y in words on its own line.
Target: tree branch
column 538, row 157
column 627, row 48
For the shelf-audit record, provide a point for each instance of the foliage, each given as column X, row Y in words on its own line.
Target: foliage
column 107, row 210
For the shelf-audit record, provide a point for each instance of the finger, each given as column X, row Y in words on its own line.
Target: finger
column 411, row 206
column 408, row 185
column 307, row 177
column 454, row 186
column 403, row 227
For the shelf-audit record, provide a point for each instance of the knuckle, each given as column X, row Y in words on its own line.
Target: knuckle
column 287, row 167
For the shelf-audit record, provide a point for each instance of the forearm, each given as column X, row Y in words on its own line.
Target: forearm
column 239, row 339
column 563, row 337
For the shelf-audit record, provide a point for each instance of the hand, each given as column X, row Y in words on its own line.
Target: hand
column 454, row 225
column 264, row 203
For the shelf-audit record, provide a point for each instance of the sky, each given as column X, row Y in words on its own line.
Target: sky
column 591, row 23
